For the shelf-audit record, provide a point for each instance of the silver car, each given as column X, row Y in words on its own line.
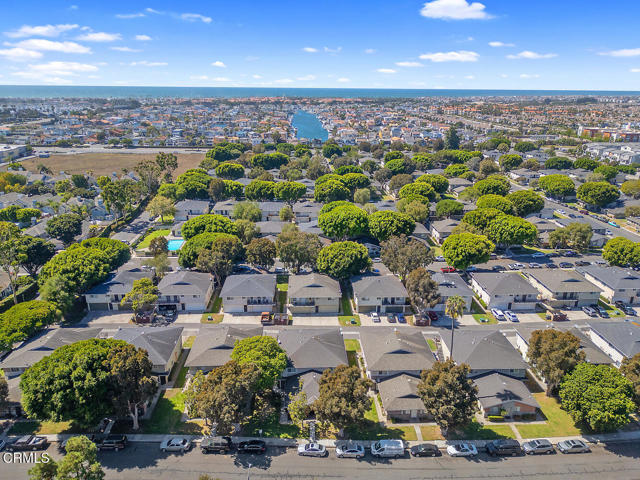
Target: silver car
column 175, row 444
column 573, row 446
column 312, row 450
column 349, row 450
column 538, row 447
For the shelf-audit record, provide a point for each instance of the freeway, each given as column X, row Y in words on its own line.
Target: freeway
column 144, row 461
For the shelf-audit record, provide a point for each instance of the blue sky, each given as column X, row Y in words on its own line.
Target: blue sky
column 512, row 44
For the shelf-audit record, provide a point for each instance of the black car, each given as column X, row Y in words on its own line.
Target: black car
column 216, row 444
column 425, row 450
column 110, row 442
column 28, row 442
column 252, row 446
column 503, row 447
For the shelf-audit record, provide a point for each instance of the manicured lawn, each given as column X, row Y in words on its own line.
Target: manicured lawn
column 431, row 432
column 372, row 413
column 559, row 423
column 432, row 345
column 489, row 319
column 611, row 310
column 347, row 318
column 180, row 379
column 156, row 233
column 271, row 428
column 351, row 344
column 282, row 283
column 408, row 433
column 166, row 416
column 476, row 431
column 215, row 318
column 372, row 429
column 43, row 428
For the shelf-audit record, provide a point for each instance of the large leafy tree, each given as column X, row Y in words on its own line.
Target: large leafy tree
column 161, row 206
column 598, row 396
column 247, row 211
column 448, row 208
column 298, row 249
column 260, row 190
column 494, row 184
column 495, row 201
column 558, row 163
column 344, row 222
column 631, row 188
column 387, row 223
column 229, row 170
column 598, row 193
column 510, row 161
column 65, row 227
column 24, row 320
column 481, row 217
column 402, row 255
column 207, row 223
column 423, row 189
column 341, row 260
column 224, row 396
column 449, row 396
column 261, row 252
column 263, row 352
column 575, row 235
column 557, row 185
column 330, row 191
column 142, row 296
column 509, row 230
column 451, row 139
column 12, row 254
column 422, row 289
column 290, row 192
column 465, row 249
column 80, row 461
column 228, row 245
column 439, row 182
column 622, row 252
column 525, row 202
column 630, row 368
column 553, row 354
column 343, row 396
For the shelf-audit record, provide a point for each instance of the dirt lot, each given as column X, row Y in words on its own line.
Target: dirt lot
column 105, row 163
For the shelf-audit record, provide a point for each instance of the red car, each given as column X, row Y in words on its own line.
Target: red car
column 447, row 269
column 433, row 316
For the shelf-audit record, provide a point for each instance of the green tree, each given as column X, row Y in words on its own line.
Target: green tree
column 64, row 227
column 439, row 182
column 622, row 252
column 217, row 262
column 161, row 206
column 598, row 396
column 158, row 245
column 402, row 254
column 398, row 181
column 342, row 260
column 298, row 249
column 586, row 163
column 525, row 202
column 286, row 214
column 290, row 192
column 386, row 224
column 261, row 252
column 449, row 396
column 264, row 352
column 524, row 147
column 465, row 249
column 609, row 172
column 423, row 189
column 451, row 139
column 24, row 320
column 260, row 190
column 631, row 188
column 217, row 190
column 416, row 209
column 454, row 308
column 598, row 193
column 298, row 406
column 247, row 211
column 630, row 368
column 12, row 254
column 44, row 471
column 493, row 184
column 230, row 171
column 495, row 201
column 142, row 296
column 422, row 289
column 553, row 354
column 448, row 208
column 81, row 461
column 160, row 264
column 509, row 230
column 225, row 243
column 362, row 196
column 211, row 223
column 558, row 163
column 556, row 185
column 330, row 191
column 575, row 235
column 344, row 222
column 343, row 397
column 510, row 161
column 455, row 170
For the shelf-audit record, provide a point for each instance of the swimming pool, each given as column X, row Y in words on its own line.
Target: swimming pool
column 174, row 245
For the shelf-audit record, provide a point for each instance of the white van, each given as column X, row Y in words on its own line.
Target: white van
column 388, row 448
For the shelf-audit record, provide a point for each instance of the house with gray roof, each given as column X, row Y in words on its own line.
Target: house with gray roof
column 306, row 211
column 308, row 382
column 213, row 345
column 162, row 344
column 618, row 340
column 253, row 293
column 389, row 352
column 373, row 292
column 313, row 293
column 559, row 287
column 34, row 350
column 186, row 209
column 485, row 352
column 107, row 295
column 441, row 229
column 270, row 210
column 400, row 398
column 504, row 290
column 449, row 285
column 271, row 228
column 224, row 208
column 310, row 349
column 185, row 290
column 502, row 395
column 617, row 284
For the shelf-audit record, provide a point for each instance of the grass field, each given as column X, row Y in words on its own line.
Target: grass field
column 42, row 428
column 353, row 347
column 558, row 424
column 166, row 415
column 477, row 431
column 490, row 319
column 431, row 432
column 146, row 241
column 106, row 163
column 348, row 318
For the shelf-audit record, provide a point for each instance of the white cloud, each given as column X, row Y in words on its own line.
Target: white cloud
column 284, row 80
column 370, row 51
column 100, row 37
column 256, row 76
column 470, row 77
column 454, row 10
column 501, row 44
column 151, row 10
column 529, row 75
column 385, row 70
column 199, row 77
column 55, row 72
column 309, row 49
column 42, row 44
column 143, row 38
column 195, row 17
column 625, row 52
column 332, row 50
column 41, row 30
column 456, row 56
column 635, row 70
column 306, row 78
column 221, row 79
column 125, row 49
column 146, row 63
column 19, row 54
column 409, row 64
column 504, row 75
column 128, row 16
column 529, row 55
column 218, row 64
column 343, row 80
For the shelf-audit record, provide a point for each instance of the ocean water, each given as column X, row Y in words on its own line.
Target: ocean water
column 309, row 126
column 50, row 91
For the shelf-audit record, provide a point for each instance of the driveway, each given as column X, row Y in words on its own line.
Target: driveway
column 242, row 318
column 93, row 319
column 316, row 320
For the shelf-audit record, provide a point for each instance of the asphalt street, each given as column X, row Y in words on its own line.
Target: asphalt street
column 142, row 461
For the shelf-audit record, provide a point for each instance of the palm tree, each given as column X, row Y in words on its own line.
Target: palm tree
column 454, row 308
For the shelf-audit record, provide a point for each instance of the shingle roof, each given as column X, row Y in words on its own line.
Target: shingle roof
column 560, row 280
column 625, row 337
column 158, row 342
column 614, row 277
column 313, row 285
column 451, row 284
column 121, row 282
column 400, row 393
column 373, row 285
column 395, row 350
column 249, row 285
column 495, row 389
column 483, row 350
column 213, row 345
column 313, row 347
column 185, row 282
column 503, row 283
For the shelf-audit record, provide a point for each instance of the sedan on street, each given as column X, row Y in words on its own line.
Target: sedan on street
column 538, row 447
column 425, row 450
column 462, row 450
column 252, row 446
column 512, row 317
column 176, row 444
column 349, row 450
column 499, row 314
column 375, row 317
column 573, row 446
column 312, row 450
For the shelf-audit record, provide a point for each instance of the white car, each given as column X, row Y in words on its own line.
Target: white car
column 312, row 450
column 608, row 233
column 349, row 450
column 375, row 317
column 512, row 317
column 462, row 450
column 439, row 258
column 497, row 313
column 176, row 444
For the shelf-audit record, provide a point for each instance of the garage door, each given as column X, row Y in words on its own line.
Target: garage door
column 98, row 307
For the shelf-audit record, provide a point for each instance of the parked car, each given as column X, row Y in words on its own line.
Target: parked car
column 110, row 442
column 499, row 314
column 2, row 444
column 538, row 447
column 447, row 270
column 176, row 444
column 375, row 317
column 566, row 264
column 391, row 318
column 400, row 317
column 551, row 265
column 28, row 442
column 252, row 446
column 535, row 265
column 570, row 253
column 497, row 268
column 601, row 311
column 556, row 316
column 388, row 448
column 628, row 309
column 425, row 450
column 462, row 450
column 582, row 263
column 216, row 444
column 312, row 450
column 349, row 450
column 439, row 258
column 613, row 224
column 503, row 447
column 573, row 446
column 619, row 304
column 512, row 317
column 538, row 255
column 433, row 316
column 590, row 311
